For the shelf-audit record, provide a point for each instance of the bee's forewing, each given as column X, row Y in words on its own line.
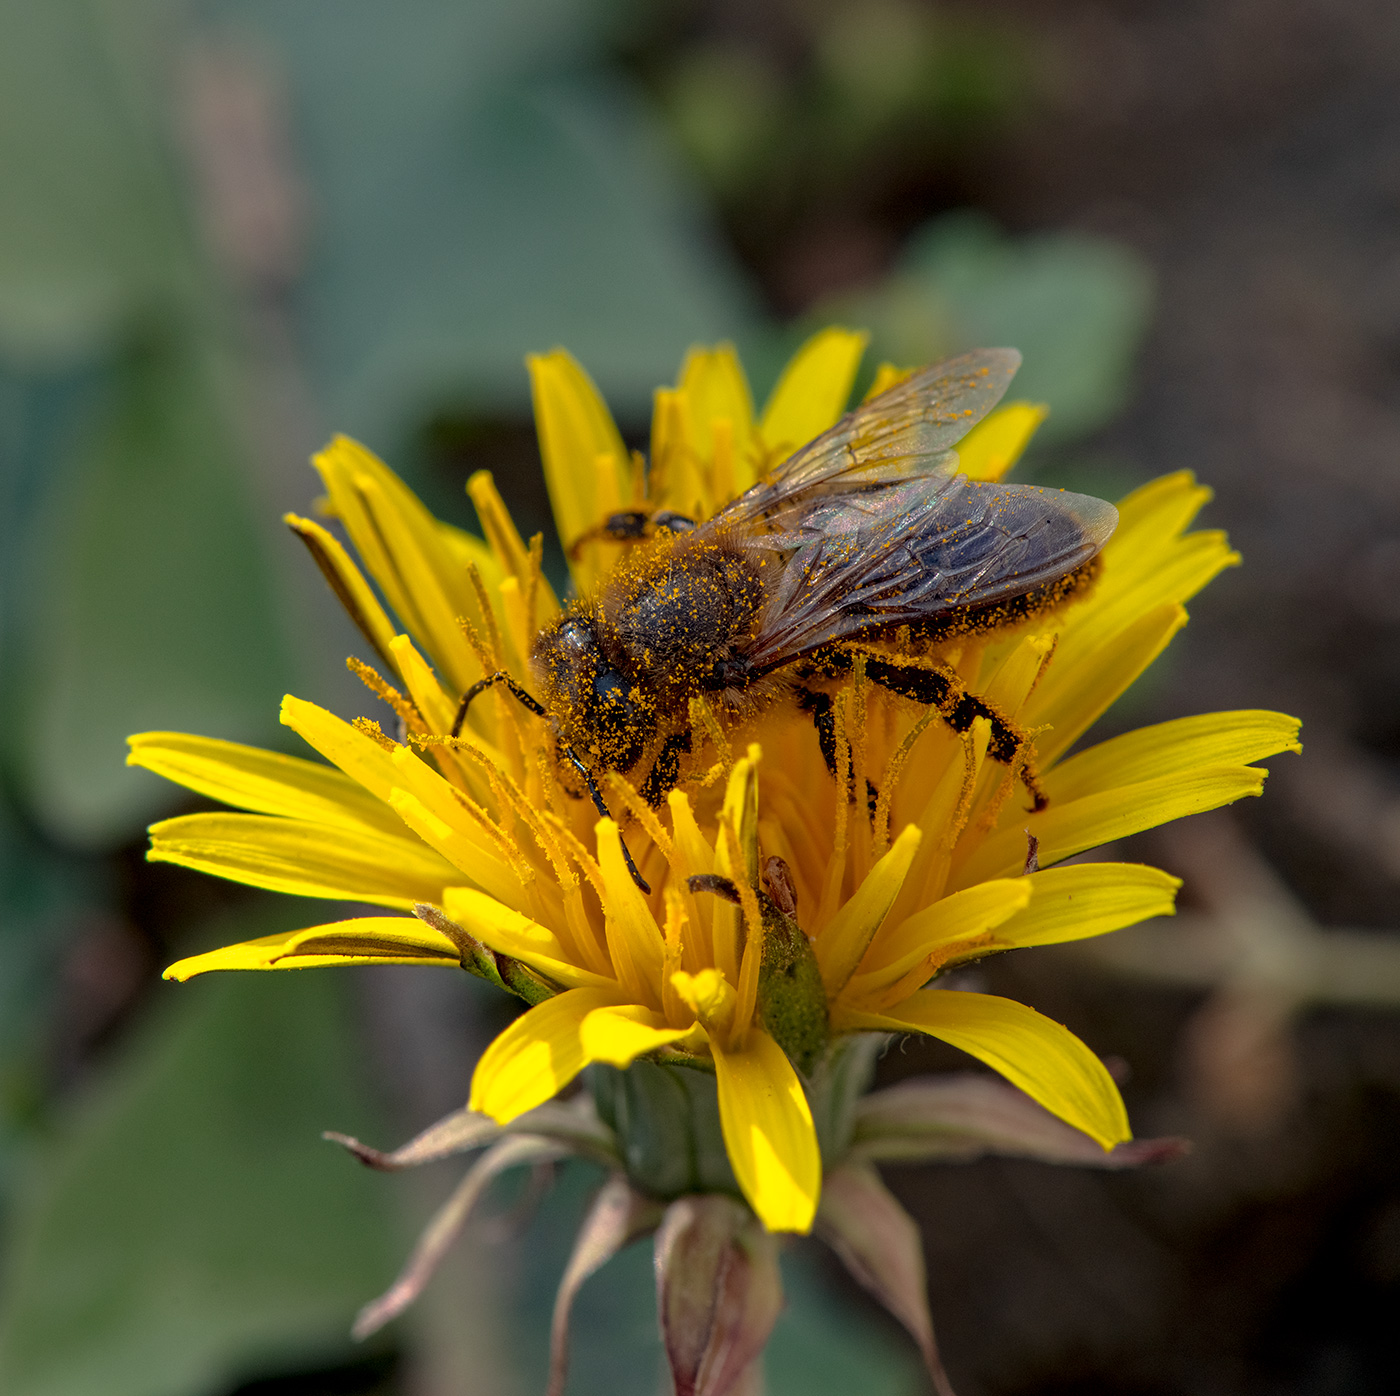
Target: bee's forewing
column 903, row 434
column 911, row 552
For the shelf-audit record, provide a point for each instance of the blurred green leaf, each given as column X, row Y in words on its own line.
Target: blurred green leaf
column 827, row 1345
column 91, row 228
column 484, row 187
column 726, row 106
column 823, row 1345
column 150, row 600
column 188, row 1226
column 1075, row 306
column 144, row 597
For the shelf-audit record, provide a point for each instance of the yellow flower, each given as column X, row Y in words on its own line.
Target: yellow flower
column 502, row 869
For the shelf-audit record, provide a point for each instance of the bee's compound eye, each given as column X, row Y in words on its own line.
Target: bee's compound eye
column 610, row 689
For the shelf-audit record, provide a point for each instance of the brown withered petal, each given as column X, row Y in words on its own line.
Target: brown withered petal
column 456, row 1133
column 879, row 1243
column 573, row 1123
column 955, row 1118
column 718, row 1292
column 618, row 1216
column 444, row 1228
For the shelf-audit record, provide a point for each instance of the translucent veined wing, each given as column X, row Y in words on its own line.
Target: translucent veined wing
column 904, row 434
column 907, row 553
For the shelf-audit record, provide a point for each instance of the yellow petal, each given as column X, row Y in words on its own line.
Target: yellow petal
column 679, row 478
column 511, row 933
column 842, row 942
column 813, row 390
column 740, row 809
column 709, row 995
column 1156, row 513
column 995, row 444
column 1081, row 683
column 347, row 582
column 401, row 544
column 1071, row 826
column 457, row 847
column 768, row 1133
column 307, row 860
column 696, row 857
column 943, row 817
column 265, row 782
column 715, row 386
column 536, row 1057
column 467, row 551
column 962, row 916
column 1034, row 1053
column 1088, row 899
column 359, row 756
column 1171, row 748
column 504, row 538
column 438, row 710
column 736, row 857
column 433, row 809
column 419, row 558
column 634, row 939
column 1118, row 601
column 619, row 1036
column 366, row 940
column 576, row 433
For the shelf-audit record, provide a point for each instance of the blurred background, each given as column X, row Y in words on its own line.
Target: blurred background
column 229, row 227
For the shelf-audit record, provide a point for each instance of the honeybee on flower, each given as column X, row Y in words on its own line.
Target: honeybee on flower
column 737, row 876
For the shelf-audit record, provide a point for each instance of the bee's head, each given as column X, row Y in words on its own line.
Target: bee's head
column 596, row 709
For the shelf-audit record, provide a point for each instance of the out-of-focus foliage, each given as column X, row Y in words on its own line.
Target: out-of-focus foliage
column 479, row 187
column 816, row 119
column 187, row 1225
column 484, row 187
column 823, row 1345
column 1076, row 307
column 143, row 594
column 230, row 227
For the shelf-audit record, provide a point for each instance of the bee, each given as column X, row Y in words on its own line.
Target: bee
column 864, row 544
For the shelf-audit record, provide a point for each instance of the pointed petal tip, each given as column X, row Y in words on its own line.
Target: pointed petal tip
column 1146, row 1153
column 370, row 1157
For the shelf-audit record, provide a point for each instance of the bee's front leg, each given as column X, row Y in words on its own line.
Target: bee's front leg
column 661, row 779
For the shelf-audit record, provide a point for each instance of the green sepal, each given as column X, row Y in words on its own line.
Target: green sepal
column 502, row 971
column 523, row 981
column 666, row 1119
column 791, row 995
column 836, row 1087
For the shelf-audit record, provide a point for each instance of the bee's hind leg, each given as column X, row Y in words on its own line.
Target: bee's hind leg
column 823, row 711
column 939, row 687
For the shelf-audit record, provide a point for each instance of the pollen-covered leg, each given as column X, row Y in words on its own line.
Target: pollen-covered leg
column 820, row 706
column 631, row 526
column 938, row 686
column 823, row 711
column 662, row 777
column 480, row 687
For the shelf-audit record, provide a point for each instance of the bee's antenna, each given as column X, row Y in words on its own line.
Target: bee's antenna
column 607, row 814
column 490, row 681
